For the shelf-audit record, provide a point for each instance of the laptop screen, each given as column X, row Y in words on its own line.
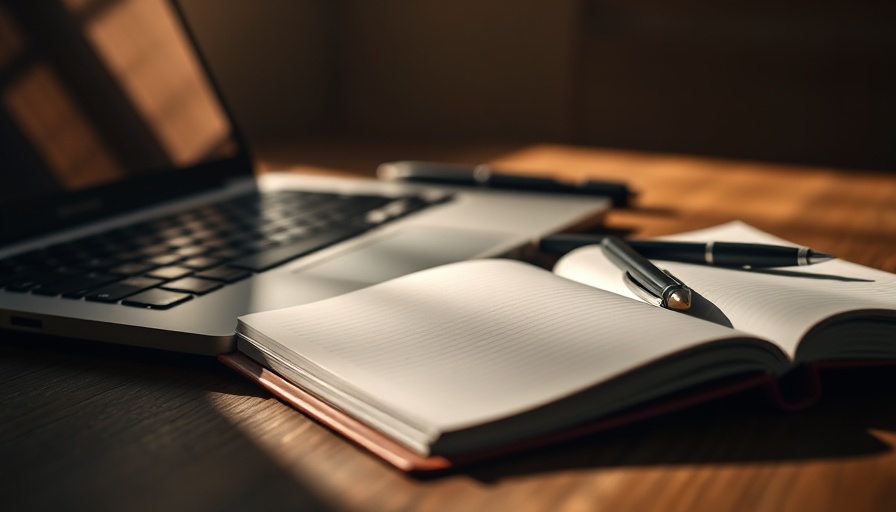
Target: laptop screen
column 104, row 106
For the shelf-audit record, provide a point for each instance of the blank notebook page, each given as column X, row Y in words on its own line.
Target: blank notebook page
column 477, row 340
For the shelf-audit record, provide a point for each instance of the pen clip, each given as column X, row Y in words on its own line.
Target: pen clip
column 642, row 292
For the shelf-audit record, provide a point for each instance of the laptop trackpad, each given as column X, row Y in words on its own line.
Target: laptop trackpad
column 407, row 250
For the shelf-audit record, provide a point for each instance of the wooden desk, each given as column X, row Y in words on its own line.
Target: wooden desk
column 87, row 427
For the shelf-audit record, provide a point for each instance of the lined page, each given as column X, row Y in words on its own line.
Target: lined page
column 778, row 304
column 474, row 341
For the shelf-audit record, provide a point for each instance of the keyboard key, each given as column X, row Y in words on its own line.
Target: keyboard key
column 131, row 269
column 38, row 277
column 76, row 287
column 7, row 276
column 181, row 241
column 148, row 251
column 172, row 232
column 157, row 299
column 200, row 263
column 193, row 285
column 163, row 259
column 172, row 272
column 226, row 254
column 281, row 254
column 189, row 252
column 225, row 274
column 120, row 290
column 98, row 263
column 210, row 239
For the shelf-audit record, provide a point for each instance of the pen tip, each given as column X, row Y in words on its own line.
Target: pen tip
column 818, row 257
column 679, row 300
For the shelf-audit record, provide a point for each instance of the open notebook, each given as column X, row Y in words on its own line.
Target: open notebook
column 478, row 358
column 835, row 309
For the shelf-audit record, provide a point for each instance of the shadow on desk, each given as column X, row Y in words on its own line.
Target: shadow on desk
column 734, row 430
column 91, row 417
column 102, row 427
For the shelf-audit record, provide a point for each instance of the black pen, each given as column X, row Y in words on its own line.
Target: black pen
column 484, row 176
column 645, row 279
column 720, row 254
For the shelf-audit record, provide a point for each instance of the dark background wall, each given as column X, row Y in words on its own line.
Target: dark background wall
column 797, row 81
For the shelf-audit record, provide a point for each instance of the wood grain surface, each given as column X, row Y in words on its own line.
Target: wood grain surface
column 86, row 426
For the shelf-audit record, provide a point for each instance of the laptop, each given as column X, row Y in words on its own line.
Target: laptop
column 130, row 212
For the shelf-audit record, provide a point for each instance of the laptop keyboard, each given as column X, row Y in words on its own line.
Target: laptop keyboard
column 167, row 261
